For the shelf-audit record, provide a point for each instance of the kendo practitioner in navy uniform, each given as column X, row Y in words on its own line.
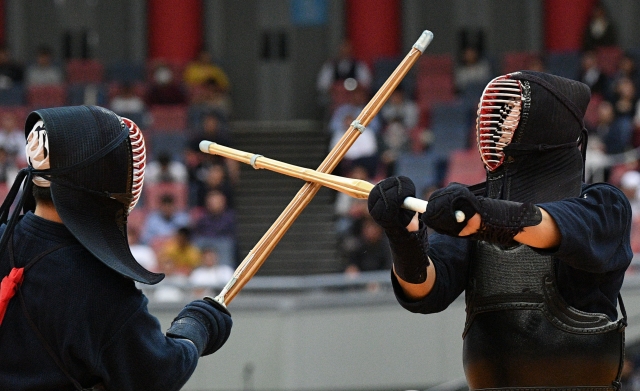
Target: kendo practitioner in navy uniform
column 540, row 255
column 71, row 315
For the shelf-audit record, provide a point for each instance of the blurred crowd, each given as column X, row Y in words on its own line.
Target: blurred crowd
column 409, row 128
column 187, row 220
column 185, row 224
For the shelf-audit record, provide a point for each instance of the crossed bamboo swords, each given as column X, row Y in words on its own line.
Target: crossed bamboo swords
column 315, row 178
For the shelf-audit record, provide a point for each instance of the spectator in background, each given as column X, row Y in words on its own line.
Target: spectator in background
column 164, row 89
column 144, row 254
column 202, row 70
column 471, row 69
column 126, row 101
column 348, row 209
column 364, row 150
column 600, row 31
column 214, row 128
column 210, row 274
column 8, row 168
column 44, row 71
column 345, row 67
column 627, row 68
column 217, row 227
column 166, row 169
column 371, row 251
column 178, row 254
column 209, row 96
column 591, row 74
column 214, row 177
column 400, row 116
column 624, row 104
column 400, row 107
column 12, row 138
column 11, row 72
column 162, row 223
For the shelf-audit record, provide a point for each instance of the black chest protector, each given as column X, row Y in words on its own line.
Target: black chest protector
column 520, row 333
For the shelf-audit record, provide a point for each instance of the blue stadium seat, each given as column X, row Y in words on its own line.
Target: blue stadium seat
column 170, row 142
column 422, row 168
column 125, row 72
column 87, row 94
column 12, row 96
column 451, row 124
column 565, row 64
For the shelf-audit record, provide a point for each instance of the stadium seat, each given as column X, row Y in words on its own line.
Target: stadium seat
column 608, row 58
column 517, row 61
column 172, row 118
column 421, row 168
column 435, row 88
column 565, row 64
column 435, row 64
column 591, row 115
column 84, row 71
column 465, row 166
column 450, row 124
column 87, row 94
column 173, row 143
column 12, row 96
column 41, row 96
column 125, row 72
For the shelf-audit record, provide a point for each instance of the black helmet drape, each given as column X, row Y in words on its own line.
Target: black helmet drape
column 96, row 161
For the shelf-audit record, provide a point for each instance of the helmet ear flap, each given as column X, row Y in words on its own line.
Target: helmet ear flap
column 138, row 159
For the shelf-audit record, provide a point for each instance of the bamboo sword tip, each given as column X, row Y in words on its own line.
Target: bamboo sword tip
column 204, row 145
column 424, row 41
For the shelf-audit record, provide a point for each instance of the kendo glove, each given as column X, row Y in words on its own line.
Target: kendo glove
column 206, row 323
column 500, row 220
column 409, row 249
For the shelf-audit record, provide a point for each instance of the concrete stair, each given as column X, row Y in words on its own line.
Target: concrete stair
column 309, row 245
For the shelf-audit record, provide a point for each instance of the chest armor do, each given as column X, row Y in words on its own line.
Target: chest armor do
column 520, row 333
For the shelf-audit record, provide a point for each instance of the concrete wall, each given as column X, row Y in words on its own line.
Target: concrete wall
column 342, row 341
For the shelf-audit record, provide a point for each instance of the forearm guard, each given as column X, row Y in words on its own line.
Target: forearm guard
column 409, row 252
column 502, row 220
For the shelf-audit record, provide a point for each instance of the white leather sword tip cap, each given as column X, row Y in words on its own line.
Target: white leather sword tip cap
column 204, row 145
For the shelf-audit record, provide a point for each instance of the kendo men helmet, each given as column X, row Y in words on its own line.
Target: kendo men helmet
column 93, row 160
column 531, row 136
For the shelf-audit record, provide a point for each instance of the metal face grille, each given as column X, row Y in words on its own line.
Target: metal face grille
column 139, row 160
column 498, row 117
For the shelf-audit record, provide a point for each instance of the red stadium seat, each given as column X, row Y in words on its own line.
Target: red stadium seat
column 517, row 61
column 168, row 118
column 465, row 166
column 41, row 96
column 608, row 58
column 435, row 64
column 431, row 89
column 84, row 71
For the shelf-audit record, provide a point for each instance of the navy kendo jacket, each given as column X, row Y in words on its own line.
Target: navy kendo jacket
column 93, row 319
column 591, row 260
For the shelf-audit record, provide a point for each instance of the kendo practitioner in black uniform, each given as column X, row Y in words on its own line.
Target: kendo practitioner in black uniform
column 71, row 317
column 540, row 255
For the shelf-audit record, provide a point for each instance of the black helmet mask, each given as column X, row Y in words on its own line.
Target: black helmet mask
column 93, row 161
column 531, row 136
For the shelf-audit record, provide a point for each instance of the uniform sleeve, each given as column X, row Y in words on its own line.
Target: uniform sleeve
column 450, row 257
column 140, row 357
column 595, row 229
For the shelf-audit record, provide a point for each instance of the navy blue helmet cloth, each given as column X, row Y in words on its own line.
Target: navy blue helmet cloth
column 94, row 156
column 531, row 136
